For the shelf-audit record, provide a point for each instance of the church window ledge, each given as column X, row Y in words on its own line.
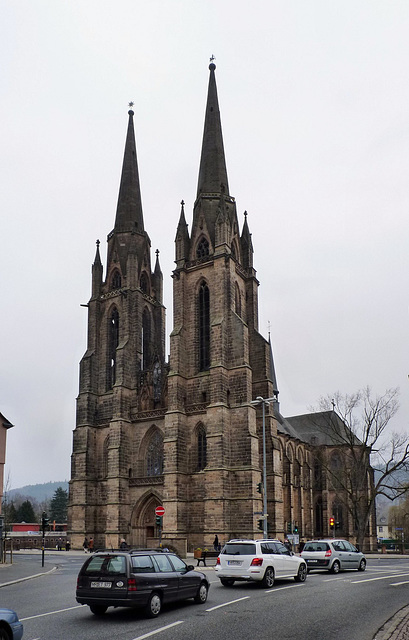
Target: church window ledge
column 145, row 481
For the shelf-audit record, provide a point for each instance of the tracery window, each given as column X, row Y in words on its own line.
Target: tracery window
column 336, row 470
column 237, row 300
column 113, row 341
column 202, row 248
column 204, row 327
column 201, row 448
column 146, row 339
column 154, row 455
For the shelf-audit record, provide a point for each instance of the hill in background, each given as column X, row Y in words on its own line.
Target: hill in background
column 39, row 492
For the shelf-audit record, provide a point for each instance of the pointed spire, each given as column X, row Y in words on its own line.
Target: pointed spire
column 129, row 216
column 97, row 270
column 97, row 260
column 246, row 244
column 273, row 377
column 212, row 171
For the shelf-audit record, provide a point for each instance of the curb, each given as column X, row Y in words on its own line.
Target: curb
column 36, row 575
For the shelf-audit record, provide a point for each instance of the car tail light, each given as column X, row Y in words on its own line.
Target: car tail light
column 218, row 560
column 131, row 584
column 256, row 562
column 328, row 553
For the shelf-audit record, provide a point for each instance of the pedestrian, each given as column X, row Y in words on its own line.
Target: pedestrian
column 85, row 544
column 123, row 544
column 91, row 545
column 67, row 545
column 302, row 544
column 288, row 544
column 216, row 543
column 59, row 544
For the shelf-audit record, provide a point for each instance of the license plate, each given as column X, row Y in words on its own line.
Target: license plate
column 311, row 561
column 236, row 563
column 101, row 585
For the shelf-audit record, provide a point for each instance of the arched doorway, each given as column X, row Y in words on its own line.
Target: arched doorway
column 143, row 531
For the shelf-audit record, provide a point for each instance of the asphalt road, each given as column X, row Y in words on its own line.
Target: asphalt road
column 349, row 606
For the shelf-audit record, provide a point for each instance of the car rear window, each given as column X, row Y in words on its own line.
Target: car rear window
column 316, row 546
column 142, row 564
column 106, row 565
column 240, row 549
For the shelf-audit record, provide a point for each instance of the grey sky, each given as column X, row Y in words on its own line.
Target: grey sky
column 314, row 100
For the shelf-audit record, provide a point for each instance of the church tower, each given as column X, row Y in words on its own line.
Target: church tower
column 122, row 374
column 218, row 362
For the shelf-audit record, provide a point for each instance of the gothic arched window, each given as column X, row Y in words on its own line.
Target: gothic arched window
column 113, row 341
column 204, row 327
column 202, row 248
column 201, row 448
column 338, row 515
column 336, row 470
column 146, row 339
column 237, row 300
column 116, row 280
column 154, row 455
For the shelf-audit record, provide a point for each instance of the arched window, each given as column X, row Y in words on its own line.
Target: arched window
column 237, row 300
column 116, row 281
column 146, row 339
column 233, row 251
column 144, row 283
column 336, row 471
column 154, row 455
column 113, row 341
column 202, row 248
column 319, row 520
column 337, row 513
column 204, row 327
column 201, row 448
column 317, row 475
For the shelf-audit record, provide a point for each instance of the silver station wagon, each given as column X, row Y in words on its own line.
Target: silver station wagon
column 332, row 554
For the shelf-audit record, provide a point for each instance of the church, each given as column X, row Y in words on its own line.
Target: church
column 200, row 434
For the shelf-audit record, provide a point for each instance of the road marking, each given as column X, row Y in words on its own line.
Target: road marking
column 379, row 578
column 153, row 633
column 225, row 604
column 290, row 586
column 396, row 584
column 51, row 613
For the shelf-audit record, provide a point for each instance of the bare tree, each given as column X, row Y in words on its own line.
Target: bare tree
column 373, row 455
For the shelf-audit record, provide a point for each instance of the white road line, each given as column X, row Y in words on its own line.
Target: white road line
column 290, row 586
column 153, row 633
column 396, row 584
column 226, row 604
column 51, row 613
column 379, row 578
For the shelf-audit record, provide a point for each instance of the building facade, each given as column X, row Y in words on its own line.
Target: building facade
column 184, row 434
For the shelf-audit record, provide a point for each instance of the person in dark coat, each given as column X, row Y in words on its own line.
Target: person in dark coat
column 216, row 543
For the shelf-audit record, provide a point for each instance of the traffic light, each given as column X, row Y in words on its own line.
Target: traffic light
column 260, row 525
column 260, row 487
column 295, row 528
column 289, row 528
column 331, row 523
column 44, row 521
column 159, row 520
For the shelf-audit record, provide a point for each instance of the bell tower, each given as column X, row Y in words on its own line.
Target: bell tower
column 123, row 371
column 218, row 360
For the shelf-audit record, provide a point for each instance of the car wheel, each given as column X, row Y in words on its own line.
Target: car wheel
column 152, row 609
column 201, row 596
column 335, row 567
column 362, row 565
column 227, row 582
column 268, row 579
column 97, row 609
column 302, row 573
column 4, row 634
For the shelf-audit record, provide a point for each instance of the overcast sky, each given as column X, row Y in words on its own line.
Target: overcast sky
column 314, row 100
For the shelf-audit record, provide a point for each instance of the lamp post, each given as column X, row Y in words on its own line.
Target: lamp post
column 263, row 401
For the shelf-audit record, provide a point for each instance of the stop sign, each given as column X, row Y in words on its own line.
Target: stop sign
column 159, row 511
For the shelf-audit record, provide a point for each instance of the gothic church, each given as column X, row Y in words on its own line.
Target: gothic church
column 184, row 433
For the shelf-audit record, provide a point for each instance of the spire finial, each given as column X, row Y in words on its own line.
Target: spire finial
column 157, row 253
column 98, row 243
column 212, row 66
column 130, row 105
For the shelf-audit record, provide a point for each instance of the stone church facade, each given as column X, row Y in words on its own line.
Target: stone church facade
column 184, row 433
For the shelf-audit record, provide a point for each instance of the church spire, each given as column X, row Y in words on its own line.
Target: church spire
column 129, row 216
column 212, row 171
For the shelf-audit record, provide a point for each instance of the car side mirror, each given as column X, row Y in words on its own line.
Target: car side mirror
column 190, row 567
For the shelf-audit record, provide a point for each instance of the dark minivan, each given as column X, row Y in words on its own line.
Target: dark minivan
column 143, row 578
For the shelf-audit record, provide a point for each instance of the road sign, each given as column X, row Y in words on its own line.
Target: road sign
column 160, row 511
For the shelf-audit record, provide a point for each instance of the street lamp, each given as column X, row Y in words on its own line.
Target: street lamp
column 263, row 401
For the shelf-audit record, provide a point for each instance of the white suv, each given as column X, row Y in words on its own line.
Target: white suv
column 260, row 561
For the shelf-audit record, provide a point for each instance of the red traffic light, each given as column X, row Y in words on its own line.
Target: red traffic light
column 332, row 522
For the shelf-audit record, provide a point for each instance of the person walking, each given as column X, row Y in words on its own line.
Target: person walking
column 216, row 543
column 91, row 545
column 85, row 544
